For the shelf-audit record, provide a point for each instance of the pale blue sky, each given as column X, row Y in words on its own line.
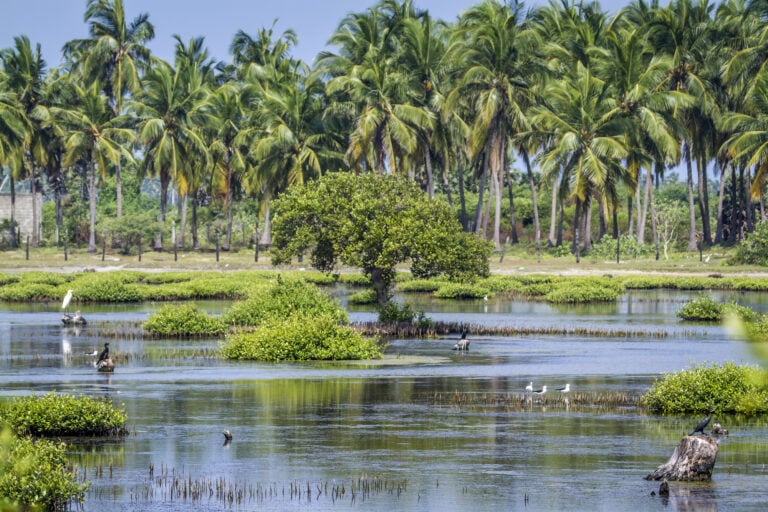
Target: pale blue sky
column 53, row 22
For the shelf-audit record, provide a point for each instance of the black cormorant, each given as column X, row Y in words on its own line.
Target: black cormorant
column 703, row 423
column 104, row 354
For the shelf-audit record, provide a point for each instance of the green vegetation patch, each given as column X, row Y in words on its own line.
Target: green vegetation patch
column 724, row 388
column 53, row 415
column 183, row 320
column 420, row 285
column 27, row 292
column 103, row 287
column 301, row 337
column 461, row 291
column 283, row 298
column 705, row 309
column 363, row 297
column 585, row 290
column 35, row 475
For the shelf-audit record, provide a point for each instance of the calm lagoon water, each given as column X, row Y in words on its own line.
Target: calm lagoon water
column 305, row 431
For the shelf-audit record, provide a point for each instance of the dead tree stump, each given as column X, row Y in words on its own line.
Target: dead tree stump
column 692, row 460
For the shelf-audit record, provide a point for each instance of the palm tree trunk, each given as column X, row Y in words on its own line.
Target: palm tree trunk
column 33, row 188
column 601, row 215
column 14, row 241
column 228, row 200
column 266, row 236
column 630, row 211
column 92, row 208
column 479, row 208
column 749, row 208
column 512, row 218
column 498, row 169
column 488, row 202
column 720, row 197
column 430, row 178
column 703, row 193
column 118, row 191
column 534, row 202
column 734, row 207
column 691, row 205
column 587, row 232
column 195, row 237
column 575, row 249
column 180, row 243
column 646, row 205
column 551, row 240
column 560, row 220
column 463, row 217
column 165, row 180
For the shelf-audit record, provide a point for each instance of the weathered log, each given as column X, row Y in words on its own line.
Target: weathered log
column 105, row 366
column 77, row 319
column 692, row 460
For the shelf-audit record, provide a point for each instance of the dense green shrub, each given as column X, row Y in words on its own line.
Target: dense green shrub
column 726, row 388
column 283, row 298
column 8, row 279
column 25, row 292
column 300, row 337
column 502, row 284
column 355, row 280
column 363, row 297
column 40, row 277
column 103, row 287
column 168, row 277
column 35, row 475
column 392, row 312
column 754, row 249
column 461, row 291
column 584, row 290
column 183, row 320
column 319, row 278
column 704, row 309
column 53, row 415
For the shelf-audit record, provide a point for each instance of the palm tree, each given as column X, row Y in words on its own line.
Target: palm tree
column 682, row 31
column 14, row 130
column 25, row 76
column 167, row 129
column 113, row 56
column 587, row 140
column 496, row 79
column 95, row 138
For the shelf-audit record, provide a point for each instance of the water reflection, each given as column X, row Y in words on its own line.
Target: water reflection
column 322, row 425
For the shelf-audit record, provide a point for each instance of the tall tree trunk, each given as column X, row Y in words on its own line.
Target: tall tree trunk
column 446, row 185
column 266, row 236
column 703, row 194
column 720, row 197
column 14, row 241
column 734, row 220
column 92, row 208
column 463, row 217
column 601, row 216
column 33, row 188
column 430, row 177
column 630, row 211
column 165, row 180
column 587, row 232
column 180, row 242
column 479, row 209
column 691, row 205
column 498, row 168
column 228, row 200
column 534, row 202
column 638, row 212
column 195, row 237
column 560, row 221
column 749, row 207
column 512, row 218
column 488, row 202
column 643, row 217
column 576, row 227
column 118, row 191
column 551, row 240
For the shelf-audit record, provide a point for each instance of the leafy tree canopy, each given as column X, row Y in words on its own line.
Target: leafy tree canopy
column 374, row 222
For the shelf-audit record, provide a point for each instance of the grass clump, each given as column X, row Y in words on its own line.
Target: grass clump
column 724, row 388
column 92, row 287
column 461, row 291
column 420, row 285
column 363, row 297
column 300, row 337
column 585, row 290
column 35, row 475
column 183, row 320
column 359, row 280
column 28, row 292
column 283, row 298
column 53, row 415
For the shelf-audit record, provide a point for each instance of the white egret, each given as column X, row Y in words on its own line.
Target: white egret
column 67, row 298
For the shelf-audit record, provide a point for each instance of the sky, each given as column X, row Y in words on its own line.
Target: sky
column 53, row 22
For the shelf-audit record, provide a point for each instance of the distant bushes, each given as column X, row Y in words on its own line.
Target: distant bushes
column 461, row 291
column 724, row 388
column 754, row 249
column 53, row 415
column 585, row 290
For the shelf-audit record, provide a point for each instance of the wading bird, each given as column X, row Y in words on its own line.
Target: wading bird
column 541, row 392
column 566, row 389
column 67, row 298
column 529, row 387
column 463, row 343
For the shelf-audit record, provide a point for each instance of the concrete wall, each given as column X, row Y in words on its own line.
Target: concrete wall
column 23, row 213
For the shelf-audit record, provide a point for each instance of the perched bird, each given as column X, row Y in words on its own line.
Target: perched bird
column 104, row 354
column 227, row 435
column 463, row 343
column 529, row 387
column 703, row 423
column 566, row 389
column 67, row 298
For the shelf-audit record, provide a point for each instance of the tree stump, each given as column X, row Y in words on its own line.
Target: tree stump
column 692, row 460
column 106, row 366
